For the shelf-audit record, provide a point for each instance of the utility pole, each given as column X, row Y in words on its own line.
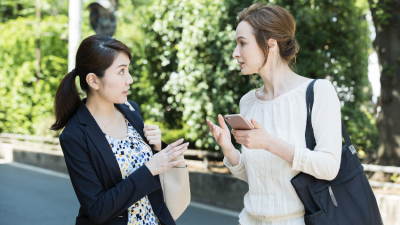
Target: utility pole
column 74, row 37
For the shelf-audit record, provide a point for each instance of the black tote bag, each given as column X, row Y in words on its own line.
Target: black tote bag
column 346, row 200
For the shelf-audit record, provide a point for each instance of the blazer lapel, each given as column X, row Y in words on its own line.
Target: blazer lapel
column 135, row 119
column 99, row 140
column 137, row 122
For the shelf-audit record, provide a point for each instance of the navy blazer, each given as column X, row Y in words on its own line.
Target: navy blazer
column 96, row 177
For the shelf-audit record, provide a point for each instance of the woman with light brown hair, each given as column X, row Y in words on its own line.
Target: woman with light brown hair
column 275, row 150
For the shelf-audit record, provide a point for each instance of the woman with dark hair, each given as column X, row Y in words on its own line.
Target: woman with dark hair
column 275, row 150
column 109, row 152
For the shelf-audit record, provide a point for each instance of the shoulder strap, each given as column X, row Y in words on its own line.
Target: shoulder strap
column 310, row 138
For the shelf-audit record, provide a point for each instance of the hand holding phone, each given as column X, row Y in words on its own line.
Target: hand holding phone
column 238, row 122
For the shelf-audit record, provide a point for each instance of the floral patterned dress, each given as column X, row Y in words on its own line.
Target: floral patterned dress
column 132, row 153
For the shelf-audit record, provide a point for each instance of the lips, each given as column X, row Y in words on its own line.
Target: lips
column 241, row 64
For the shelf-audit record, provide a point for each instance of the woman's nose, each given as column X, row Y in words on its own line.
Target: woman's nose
column 236, row 53
column 129, row 80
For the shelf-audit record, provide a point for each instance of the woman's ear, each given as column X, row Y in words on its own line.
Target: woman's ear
column 93, row 81
column 272, row 44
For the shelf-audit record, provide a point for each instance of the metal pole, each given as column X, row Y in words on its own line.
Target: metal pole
column 75, row 21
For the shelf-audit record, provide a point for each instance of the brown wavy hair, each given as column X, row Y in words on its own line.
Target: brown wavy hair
column 272, row 21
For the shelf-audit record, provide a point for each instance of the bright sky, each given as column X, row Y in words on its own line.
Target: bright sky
column 373, row 65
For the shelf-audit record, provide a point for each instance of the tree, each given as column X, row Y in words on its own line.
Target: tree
column 189, row 46
column 27, row 97
column 12, row 9
column 26, row 102
column 386, row 17
column 28, row 81
column 188, row 57
column 182, row 63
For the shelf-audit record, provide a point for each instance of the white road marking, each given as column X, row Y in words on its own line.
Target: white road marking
column 40, row 170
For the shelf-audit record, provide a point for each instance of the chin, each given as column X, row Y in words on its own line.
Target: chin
column 121, row 100
column 246, row 72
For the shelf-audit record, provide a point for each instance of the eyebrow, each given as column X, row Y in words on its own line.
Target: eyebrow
column 240, row 37
column 122, row 65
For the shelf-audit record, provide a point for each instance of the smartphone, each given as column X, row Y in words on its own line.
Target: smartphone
column 238, row 122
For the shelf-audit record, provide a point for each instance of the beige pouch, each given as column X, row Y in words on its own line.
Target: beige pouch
column 176, row 188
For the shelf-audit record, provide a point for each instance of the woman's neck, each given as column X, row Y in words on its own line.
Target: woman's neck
column 99, row 108
column 278, row 79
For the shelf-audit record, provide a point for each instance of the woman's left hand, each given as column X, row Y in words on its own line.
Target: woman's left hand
column 257, row 138
column 153, row 135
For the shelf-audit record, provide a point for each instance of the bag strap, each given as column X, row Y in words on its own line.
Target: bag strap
column 310, row 138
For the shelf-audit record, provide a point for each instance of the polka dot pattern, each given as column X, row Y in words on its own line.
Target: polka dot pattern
column 132, row 153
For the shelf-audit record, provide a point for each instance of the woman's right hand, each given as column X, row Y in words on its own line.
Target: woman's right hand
column 222, row 135
column 162, row 161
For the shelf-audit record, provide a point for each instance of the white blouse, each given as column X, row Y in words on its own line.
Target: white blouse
column 271, row 198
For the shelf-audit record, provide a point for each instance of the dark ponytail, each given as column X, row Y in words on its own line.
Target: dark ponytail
column 67, row 101
column 95, row 54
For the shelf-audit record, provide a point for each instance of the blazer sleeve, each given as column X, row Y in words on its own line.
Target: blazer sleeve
column 99, row 204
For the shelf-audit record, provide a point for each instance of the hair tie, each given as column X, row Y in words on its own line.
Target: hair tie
column 73, row 71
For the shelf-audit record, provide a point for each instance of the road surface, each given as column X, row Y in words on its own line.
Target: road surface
column 34, row 196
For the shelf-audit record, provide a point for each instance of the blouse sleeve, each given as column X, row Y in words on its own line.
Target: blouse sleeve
column 239, row 170
column 324, row 161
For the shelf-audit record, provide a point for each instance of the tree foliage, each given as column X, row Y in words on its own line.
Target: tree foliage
column 182, row 63
column 13, row 9
column 188, row 56
column 27, row 99
column 188, row 52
